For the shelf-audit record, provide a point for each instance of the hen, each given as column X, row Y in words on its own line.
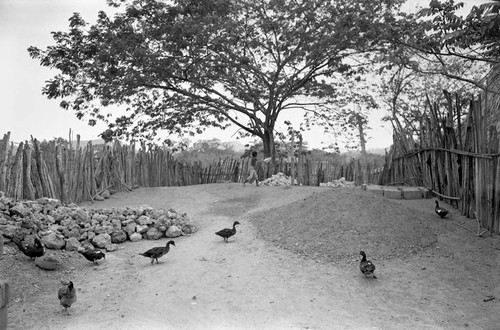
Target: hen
column 366, row 266
column 67, row 296
column 157, row 252
column 93, row 255
column 227, row 232
column 34, row 251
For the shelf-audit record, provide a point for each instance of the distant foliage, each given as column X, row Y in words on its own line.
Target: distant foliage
column 207, row 152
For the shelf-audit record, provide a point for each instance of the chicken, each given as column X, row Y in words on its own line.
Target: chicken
column 93, row 255
column 37, row 250
column 157, row 252
column 67, row 296
column 227, row 232
column 366, row 266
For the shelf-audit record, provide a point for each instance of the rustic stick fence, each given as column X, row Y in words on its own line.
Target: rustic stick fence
column 457, row 158
column 73, row 173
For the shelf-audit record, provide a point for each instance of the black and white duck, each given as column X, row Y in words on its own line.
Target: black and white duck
column 366, row 266
column 157, row 252
column 441, row 211
column 227, row 232
column 93, row 255
column 33, row 251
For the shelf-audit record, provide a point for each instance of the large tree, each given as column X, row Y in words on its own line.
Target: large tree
column 181, row 66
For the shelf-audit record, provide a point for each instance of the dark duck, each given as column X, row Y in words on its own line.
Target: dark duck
column 157, row 252
column 441, row 211
column 35, row 251
column 93, row 255
column 366, row 266
column 227, row 232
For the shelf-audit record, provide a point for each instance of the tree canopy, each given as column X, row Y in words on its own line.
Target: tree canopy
column 181, row 66
column 439, row 36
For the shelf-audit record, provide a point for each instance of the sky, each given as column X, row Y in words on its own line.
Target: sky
column 25, row 112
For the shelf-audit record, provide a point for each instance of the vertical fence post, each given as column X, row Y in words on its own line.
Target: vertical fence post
column 4, row 301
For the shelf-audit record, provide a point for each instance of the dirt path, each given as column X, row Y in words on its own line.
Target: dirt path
column 204, row 283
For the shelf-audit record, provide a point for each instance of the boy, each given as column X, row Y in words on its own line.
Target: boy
column 253, row 170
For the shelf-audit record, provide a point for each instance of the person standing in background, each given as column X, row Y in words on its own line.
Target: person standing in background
column 253, row 170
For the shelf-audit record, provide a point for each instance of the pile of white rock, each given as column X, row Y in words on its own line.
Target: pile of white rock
column 338, row 183
column 279, row 179
column 69, row 226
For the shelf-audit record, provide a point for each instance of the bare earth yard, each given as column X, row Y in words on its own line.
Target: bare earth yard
column 293, row 264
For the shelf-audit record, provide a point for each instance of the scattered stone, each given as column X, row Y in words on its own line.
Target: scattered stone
column 102, row 240
column 141, row 229
column 130, row 228
column 172, row 214
column 72, row 244
column 53, row 240
column 111, row 247
column 173, row 231
column 144, row 220
column 99, row 218
column 153, row 233
column 188, row 229
column 118, row 236
column 19, row 210
column 47, row 262
column 135, row 237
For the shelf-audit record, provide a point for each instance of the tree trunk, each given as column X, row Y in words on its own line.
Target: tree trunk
column 363, row 150
column 269, row 151
column 268, row 143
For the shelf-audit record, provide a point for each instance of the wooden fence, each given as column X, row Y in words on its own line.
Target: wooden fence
column 73, row 173
column 457, row 156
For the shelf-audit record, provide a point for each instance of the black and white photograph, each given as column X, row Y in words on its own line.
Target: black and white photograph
column 249, row 164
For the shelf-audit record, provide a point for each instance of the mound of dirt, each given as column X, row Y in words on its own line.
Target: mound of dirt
column 335, row 224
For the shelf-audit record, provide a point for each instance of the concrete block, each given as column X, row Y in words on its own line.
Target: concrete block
column 412, row 193
column 375, row 189
column 426, row 193
column 392, row 193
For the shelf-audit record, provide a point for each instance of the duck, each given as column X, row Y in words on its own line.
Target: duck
column 93, row 255
column 227, row 232
column 441, row 211
column 366, row 266
column 157, row 252
column 35, row 251
column 67, row 296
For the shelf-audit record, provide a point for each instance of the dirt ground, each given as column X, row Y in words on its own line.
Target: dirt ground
column 293, row 264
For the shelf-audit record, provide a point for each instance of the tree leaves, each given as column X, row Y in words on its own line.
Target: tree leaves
column 183, row 66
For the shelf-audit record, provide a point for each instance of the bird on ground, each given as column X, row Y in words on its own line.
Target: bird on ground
column 33, row 251
column 93, row 255
column 227, row 232
column 366, row 266
column 67, row 296
column 441, row 211
column 157, row 252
